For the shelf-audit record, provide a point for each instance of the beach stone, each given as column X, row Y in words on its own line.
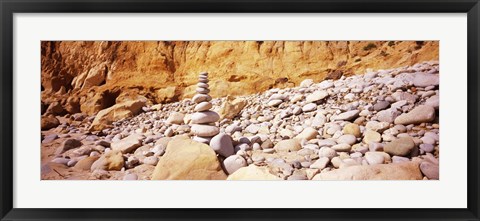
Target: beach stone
column 397, row 171
column 252, row 172
column 151, row 160
column 397, row 159
column 203, row 106
column 49, row 138
column 320, row 163
column 185, row 159
column 371, row 136
column 288, row 145
column 428, row 140
column 63, row 161
column 307, row 134
column 327, row 152
column 400, row 147
column 400, row 95
column 306, row 83
column 130, row 176
column 374, row 158
column 347, row 138
column 420, row 114
column 425, row 80
column 428, row 148
column 388, row 115
column 204, row 117
column 222, row 144
column 430, row 170
column 342, row 147
column 205, row 130
column 326, row 84
column 86, row 163
column 316, row 96
column 311, row 173
column 377, row 126
column 274, row 103
column 326, row 143
column 68, row 144
column 252, row 128
column 232, row 129
column 352, row 129
column 347, row 116
column 112, row 160
column 128, row 144
column 205, row 140
column 233, row 163
column 309, row 107
column 381, row 105
column 175, row 118
column 433, row 101
column 198, row 98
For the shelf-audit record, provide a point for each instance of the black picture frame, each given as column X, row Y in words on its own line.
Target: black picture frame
column 9, row 7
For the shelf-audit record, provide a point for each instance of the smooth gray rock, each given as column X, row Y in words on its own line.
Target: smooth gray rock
column 420, row 114
column 222, row 145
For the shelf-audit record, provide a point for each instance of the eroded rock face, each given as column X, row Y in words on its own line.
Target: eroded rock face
column 162, row 71
column 185, row 159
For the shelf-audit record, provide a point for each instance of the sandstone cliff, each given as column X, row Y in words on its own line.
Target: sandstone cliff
column 90, row 76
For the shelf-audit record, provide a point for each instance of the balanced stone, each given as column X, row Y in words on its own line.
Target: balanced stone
column 203, row 106
column 204, row 117
column 203, row 80
column 205, row 130
column 198, row 98
column 202, row 90
column 202, row 85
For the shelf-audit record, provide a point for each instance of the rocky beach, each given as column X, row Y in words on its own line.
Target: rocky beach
column 376, row 124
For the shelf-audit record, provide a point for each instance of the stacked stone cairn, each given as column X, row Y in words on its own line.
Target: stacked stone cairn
column 203, row 120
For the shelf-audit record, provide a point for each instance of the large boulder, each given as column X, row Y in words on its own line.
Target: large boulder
column 252, row 172
column 112, row 160
column 128, row 144
column 49, row 122
column 116, row 112
column 185, row 159
column 231, row 107
column 396, row 171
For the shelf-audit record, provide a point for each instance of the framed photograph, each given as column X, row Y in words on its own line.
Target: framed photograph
column 166, row 110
